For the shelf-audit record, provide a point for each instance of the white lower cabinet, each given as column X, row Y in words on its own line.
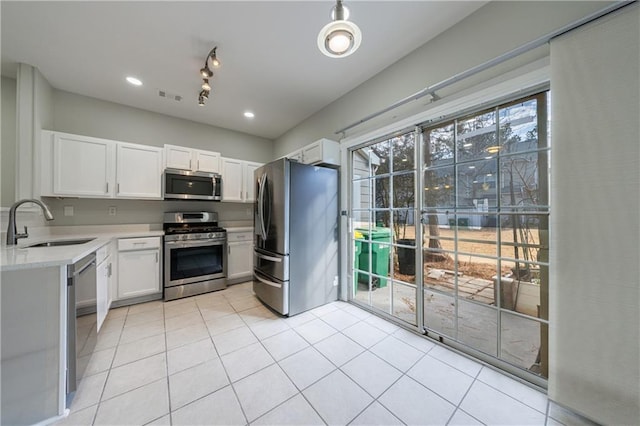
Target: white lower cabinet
column 240, row 255
column 139, row 261
column 103, row 283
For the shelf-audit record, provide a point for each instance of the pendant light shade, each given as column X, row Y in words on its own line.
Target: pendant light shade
column 339, row 38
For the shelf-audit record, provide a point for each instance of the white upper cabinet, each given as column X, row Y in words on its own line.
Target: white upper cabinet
column 77, row 166
column 323, row 151
column 232, row 180
column 138, row 171
column 196, row 160
column 87, row 167
column 178, row 157
column 249, row 181
column 207, row 161
column 237, row 180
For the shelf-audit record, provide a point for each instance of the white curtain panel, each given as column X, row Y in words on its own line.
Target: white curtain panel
column 595, row 222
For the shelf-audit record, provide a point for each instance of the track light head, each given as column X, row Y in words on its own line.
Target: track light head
column 205, row 85
column 206, row 72
column 215, row 62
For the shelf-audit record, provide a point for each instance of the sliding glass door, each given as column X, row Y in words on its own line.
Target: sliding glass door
column 470, row 265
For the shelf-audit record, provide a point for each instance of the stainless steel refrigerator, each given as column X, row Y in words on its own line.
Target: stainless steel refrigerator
column 295, row 262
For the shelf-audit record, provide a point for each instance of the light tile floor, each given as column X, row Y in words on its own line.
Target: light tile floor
column 223, row 358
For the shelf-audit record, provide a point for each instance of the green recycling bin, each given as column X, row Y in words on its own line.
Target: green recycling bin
column 379, row 253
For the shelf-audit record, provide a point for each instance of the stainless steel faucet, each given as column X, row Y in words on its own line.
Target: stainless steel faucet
column 12, row 233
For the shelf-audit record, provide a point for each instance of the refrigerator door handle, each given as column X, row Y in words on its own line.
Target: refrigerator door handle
column 271, row 283
column 269, row 258
column 263, row 228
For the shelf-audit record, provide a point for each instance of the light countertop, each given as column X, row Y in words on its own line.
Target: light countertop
column 21, row 257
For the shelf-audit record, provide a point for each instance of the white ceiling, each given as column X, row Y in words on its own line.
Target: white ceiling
column 270, row 62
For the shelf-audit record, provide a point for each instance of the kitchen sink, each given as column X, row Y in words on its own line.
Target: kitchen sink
column 61, row 243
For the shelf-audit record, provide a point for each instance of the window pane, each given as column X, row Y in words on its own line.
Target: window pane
column 478, row 327
column 520, row 342
column 439, row 188
column 476, row 277
column 404, row 224
column 439, row 270
column 379, row 154
column 361, row 194
column 523, row 295
column 520, row 185
column 382, row 192
column 404, row 190
column 361, row 221
column 524, row 237
column 404, row 306
column 405, row 268
column 439, row 150
column 519, row 127
column 364, row 161
column 477, row 137
column 403, row 152
column 476, row 183
column 439, row 313
column 436, row 232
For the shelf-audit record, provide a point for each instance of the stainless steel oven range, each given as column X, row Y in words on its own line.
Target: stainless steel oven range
column 195, row 254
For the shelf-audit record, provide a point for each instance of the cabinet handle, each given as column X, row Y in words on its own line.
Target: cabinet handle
column 118, row 189
column 198, row 165
column 156, row 257
column 189, row 163
column 229, row 249
column 107, row 191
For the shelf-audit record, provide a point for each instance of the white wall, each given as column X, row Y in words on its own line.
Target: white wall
column 95, row 212
column 92, row 117
column 492, row 30
column 8, row 142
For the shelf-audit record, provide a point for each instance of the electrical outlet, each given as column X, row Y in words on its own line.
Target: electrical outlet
column 112, row 211
column 68, row 210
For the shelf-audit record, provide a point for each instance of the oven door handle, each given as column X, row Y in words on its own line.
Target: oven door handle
column 191, row 243
column 270, row 283
column 269, row 258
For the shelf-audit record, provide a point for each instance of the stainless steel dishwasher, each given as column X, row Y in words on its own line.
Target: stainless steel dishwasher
column 82, row 273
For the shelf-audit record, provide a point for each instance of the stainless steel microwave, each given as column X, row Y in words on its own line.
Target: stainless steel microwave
column 187, row 185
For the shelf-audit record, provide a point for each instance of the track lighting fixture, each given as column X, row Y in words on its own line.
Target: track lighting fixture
column 340, row 37
column 206, row 74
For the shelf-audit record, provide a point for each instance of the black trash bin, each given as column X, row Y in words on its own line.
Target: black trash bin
column 407, row 257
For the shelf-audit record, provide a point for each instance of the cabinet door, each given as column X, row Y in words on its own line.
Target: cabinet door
column 312, row 153
column 83, row 166
column 178, row 157
column 102, row 290
column 138, row 273
column 249, row 181
column 139, row 171
column 207, row 161
column 296, row 156
column 232, row 179
column 240, row 260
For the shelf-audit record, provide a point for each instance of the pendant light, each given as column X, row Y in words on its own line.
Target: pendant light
column 339, row 38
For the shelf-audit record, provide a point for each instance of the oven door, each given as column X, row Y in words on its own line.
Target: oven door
column 187, row 262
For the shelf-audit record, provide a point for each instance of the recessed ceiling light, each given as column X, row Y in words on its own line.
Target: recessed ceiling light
column 249, row 114
column 134, row 81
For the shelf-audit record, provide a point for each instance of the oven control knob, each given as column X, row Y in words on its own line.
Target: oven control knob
column 210, row 235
